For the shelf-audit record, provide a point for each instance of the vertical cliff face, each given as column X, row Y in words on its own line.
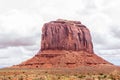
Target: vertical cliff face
column 64, row 44
column 66, row 35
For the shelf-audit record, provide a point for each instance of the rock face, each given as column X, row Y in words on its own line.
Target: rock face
column 65, row 44
column 66, row 35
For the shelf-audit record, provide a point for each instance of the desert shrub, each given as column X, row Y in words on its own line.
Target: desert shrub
column 46, row 72
column 40, row 78
column 81, row 76
column 20, row 78
column 9, row 77
column 36, row 79
column 102, row 76
column 6, row 78
column 75, row 75
column 58, row 77
column 111, row 77
column 23, row 72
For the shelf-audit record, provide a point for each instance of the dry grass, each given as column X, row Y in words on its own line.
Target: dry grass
column 56, row 74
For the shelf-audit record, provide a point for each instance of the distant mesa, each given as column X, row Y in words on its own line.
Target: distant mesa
column 64, row 44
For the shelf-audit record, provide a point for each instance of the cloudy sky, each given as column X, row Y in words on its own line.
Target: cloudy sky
column 21, row 22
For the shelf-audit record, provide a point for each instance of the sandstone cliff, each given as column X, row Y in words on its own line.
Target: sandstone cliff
column 66, row 35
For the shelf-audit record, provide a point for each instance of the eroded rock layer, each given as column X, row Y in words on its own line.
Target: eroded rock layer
column 63, row 59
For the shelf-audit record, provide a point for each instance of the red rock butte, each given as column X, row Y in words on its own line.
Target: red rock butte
column 64, row 44
column 66, row 35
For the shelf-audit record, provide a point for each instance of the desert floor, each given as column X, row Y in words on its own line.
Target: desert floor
column 58, row 74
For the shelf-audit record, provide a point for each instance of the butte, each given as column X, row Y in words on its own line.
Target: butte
column 64, row 44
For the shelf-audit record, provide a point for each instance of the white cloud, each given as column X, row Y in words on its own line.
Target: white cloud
column 15, row 21
column 19, row 28
column 15, row 55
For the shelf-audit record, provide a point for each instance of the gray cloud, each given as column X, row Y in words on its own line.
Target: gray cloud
column 115, row 30
column 32, row 48
column 12, row 41
column 98, row 39
column 111, row 55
